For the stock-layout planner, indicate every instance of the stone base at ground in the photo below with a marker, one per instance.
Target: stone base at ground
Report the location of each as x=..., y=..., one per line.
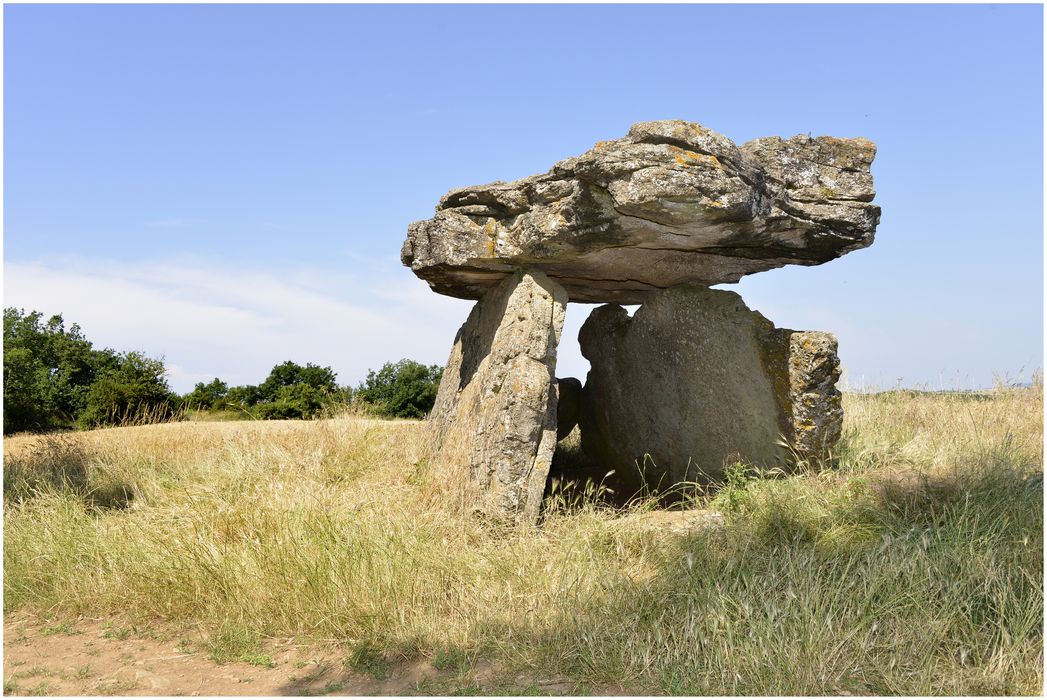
x=494, y=422
x=696, y=381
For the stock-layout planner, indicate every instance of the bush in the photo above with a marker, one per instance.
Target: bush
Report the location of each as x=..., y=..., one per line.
x=48, y=371
x=132, y=391
x=294, y=401
x=207, y=396
x=290, y=391
x=404, y=389
x=243, y=396
x=291, y=374
x=53, y=378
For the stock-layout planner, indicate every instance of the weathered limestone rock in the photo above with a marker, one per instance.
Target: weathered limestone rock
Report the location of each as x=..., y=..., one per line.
x=495, y=412
x=816, y=403
x=694, y=381
x=671, y=203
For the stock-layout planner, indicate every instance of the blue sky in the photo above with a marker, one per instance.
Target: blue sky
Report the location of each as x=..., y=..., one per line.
x=229, y=186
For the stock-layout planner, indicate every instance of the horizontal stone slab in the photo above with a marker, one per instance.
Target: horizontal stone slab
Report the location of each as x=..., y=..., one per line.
x=671, y=203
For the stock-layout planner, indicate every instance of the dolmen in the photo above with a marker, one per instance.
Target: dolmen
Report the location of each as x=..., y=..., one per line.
x=694, y=380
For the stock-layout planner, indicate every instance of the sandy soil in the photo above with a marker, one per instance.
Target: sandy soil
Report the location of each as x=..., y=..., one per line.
x=96, y=657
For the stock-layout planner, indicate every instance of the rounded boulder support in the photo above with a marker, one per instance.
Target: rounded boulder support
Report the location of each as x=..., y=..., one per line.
x=695, y=381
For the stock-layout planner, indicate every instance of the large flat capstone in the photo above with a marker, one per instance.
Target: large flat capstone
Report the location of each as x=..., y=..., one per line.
x=671, y=203
x=695, y=381
x=494, y=422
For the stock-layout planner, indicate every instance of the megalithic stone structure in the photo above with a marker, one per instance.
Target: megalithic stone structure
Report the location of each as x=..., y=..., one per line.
x=653, y=218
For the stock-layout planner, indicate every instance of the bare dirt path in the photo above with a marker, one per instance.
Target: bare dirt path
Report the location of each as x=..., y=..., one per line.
x=96, y=657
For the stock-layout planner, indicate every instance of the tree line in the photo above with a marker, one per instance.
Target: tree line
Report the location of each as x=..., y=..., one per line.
x=54, y=378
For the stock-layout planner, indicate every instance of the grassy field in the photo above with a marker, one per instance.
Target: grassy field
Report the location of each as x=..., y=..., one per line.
x=915, y=567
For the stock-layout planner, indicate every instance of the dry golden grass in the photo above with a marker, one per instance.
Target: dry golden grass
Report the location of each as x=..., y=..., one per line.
x=915, y=567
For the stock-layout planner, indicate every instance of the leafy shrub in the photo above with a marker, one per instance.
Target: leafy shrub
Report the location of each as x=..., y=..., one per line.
x=207, y=396
x=290, y=391
x=290, y=374
x=134, y=390
x=294, y=401
x=404, y=389
x=48, y=371
x=241, y=396
x=53, y=378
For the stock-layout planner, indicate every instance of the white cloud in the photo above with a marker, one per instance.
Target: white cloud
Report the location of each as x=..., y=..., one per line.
x=222, y=319
x=212, y=319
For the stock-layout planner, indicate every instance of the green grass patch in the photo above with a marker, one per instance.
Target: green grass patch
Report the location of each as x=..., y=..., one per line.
x=369, y=659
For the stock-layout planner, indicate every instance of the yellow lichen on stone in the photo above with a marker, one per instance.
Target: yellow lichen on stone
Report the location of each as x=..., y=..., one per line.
x=491, y=231
x=685, y=157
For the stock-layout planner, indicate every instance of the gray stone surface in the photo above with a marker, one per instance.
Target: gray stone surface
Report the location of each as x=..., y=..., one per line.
x=568, y=405
x=493, y=425
x=670, y=203
x=816, y=403
x=695, y=381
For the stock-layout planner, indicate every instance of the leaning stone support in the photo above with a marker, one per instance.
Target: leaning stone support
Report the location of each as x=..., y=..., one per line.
x=494, y=422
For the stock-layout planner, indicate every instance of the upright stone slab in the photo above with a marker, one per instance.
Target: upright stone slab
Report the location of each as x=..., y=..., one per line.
x=494, y=421
x=816, y=403
x=694, y=381
x=568, y=405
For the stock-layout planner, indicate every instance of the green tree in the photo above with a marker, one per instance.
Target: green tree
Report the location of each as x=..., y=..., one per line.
x=133, y=389
x=243, y=396
x=48, y=371
x=207, y=396
x=404, y=389
x=289, y=374
x=290, y=391
x=300, y=400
